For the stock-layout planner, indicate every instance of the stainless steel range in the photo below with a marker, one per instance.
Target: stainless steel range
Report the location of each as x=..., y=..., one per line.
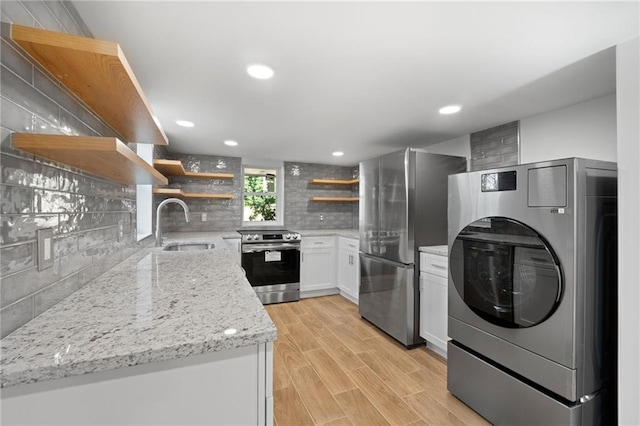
x=271, y=259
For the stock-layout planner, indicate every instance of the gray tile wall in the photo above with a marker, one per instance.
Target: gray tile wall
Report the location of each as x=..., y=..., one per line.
x=83, y=210
x=302, y=213
x=221, y=215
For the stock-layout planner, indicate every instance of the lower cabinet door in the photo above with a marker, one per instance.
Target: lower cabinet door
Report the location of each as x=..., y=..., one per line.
x=316, y=269
x=433, y=310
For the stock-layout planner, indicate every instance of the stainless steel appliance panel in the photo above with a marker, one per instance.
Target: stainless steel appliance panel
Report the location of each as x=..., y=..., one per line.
x=502, y=398
x=387, y=295
x=396, y=242
x=278, y=293
x=369, y=223
x=555, y=338
x=428, y=203
x=569, y=354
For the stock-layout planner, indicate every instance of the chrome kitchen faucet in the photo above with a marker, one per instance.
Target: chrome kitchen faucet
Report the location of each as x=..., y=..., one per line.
x=162, y=204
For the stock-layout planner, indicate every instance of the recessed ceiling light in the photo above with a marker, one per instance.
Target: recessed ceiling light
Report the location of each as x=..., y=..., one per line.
x=184, y=123
x=231, y=143
x=261, y=72
x=337, y=153
x=450, y=109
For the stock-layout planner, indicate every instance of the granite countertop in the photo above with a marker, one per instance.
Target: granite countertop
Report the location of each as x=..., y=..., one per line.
x=439, y=250
x=154, y=306
x=347, y=233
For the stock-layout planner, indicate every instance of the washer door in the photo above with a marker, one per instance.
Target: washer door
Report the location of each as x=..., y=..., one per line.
x=505, y=272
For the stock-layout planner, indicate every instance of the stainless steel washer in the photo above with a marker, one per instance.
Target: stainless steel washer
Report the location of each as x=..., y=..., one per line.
x=532, y=292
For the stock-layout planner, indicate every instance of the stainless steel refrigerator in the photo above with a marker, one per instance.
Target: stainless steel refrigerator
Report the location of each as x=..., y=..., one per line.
x=403, y=206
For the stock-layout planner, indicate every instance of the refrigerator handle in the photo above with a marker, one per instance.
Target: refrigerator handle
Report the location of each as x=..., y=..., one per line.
x=387, y=261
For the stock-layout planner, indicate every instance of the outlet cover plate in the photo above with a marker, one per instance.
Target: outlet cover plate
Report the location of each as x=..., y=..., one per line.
x=45, y=248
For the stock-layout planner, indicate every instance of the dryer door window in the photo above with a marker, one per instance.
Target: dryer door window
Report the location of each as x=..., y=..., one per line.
x=505, y=272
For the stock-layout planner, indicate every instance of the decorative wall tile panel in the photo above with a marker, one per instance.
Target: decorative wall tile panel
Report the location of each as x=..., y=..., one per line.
x=43, y=15
x=16, y=199
x=21, y=93
x=24, y=283
x=17, y=258
x=17, y=314
x=49, y=296
x=16, y=62
x=17, y=228
x=16, y=12
x=36, y=193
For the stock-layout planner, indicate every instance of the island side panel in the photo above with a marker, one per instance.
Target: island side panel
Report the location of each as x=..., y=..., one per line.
x=213, y=388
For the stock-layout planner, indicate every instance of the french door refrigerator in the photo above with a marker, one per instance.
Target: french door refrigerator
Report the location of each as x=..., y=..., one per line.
x=403, y=206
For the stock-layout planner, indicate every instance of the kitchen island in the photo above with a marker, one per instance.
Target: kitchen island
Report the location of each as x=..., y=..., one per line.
x=162, y=338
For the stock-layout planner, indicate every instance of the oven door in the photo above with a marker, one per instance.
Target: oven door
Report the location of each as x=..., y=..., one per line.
x=506, y=273
x=271, y=264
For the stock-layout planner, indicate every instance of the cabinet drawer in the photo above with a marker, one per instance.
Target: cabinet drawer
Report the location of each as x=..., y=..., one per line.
x=348, y=244
x=317, y=242
x=434, y=264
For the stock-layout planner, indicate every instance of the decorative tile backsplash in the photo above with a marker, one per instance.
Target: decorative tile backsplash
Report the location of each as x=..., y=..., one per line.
x=221, y=215
x=302, y=213
x=83, y=210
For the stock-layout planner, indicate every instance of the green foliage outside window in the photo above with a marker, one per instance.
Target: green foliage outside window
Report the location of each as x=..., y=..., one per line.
x=258, y=197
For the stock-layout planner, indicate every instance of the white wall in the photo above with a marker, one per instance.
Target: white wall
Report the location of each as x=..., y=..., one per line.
x=458, y=146
x=144, y=196
x=628, y=89
x=587, y=130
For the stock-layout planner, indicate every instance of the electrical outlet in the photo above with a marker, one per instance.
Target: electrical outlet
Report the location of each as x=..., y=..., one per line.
x=44, y=239
x=203, y=218
x=120, y=230
x=321, y=218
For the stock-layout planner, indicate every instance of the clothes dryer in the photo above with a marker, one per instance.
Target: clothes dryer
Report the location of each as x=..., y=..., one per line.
x=532, y=292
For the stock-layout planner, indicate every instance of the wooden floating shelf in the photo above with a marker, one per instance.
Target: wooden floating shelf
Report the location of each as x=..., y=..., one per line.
x=174, y=192
x=335, y=181
x=175, y=168
x=98, y=73
x=107, y=157
x=334, y=198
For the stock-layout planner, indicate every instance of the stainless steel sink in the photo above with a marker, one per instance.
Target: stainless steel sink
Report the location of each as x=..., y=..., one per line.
x=189, y=246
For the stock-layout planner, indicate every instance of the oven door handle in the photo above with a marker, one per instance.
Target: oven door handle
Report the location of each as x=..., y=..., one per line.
x=257, y=248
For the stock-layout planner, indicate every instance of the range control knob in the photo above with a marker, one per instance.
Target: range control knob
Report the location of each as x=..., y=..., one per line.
x=287, y=237
x=256, y=237
x=296, y=236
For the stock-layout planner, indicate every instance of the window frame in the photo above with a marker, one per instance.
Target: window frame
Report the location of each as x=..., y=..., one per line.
x=279, y=194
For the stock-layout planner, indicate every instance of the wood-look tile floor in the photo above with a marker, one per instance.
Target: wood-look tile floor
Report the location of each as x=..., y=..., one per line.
x=331, y=367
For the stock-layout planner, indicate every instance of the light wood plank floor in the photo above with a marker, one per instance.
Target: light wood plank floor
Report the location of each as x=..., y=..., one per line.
x=331, y=367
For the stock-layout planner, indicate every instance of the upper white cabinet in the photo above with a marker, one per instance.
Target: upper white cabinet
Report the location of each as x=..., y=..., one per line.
x=433, y=301
x=348, y=275
x=317, y=265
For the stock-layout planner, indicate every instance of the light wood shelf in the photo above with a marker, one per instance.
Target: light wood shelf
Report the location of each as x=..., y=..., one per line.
x=174, y=192
x=335, y=181
x=98, y=73
x=334, y=198
x=107, y=157
x=175, y=168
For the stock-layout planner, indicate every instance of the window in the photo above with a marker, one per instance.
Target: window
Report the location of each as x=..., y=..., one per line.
x=262, y=195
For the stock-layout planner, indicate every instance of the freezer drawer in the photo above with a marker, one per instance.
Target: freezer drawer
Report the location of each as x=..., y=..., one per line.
x=388, y=298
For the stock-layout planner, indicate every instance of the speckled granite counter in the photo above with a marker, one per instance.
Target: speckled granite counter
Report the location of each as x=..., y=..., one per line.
x=154, y=306
x=439, y=250
x=348, y=233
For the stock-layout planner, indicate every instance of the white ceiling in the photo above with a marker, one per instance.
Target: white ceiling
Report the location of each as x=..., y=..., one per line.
x=365, y=78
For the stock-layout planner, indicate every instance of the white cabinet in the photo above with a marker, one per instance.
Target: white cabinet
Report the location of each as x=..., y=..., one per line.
x=317, y=266
x=348, y=268
x=433, y=301
x=233, y=245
